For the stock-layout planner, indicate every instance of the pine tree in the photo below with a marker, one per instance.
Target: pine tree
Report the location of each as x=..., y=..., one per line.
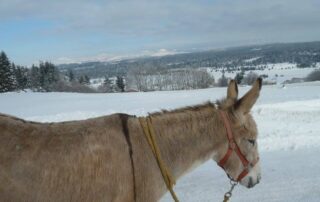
x=21, y=77
x=239, y=77
x=71, y=75
x=14, y=78
x=48, y=76
x=6, y=74
x=120, y=83
x=34, y=78
x=81, y=80
x=86, y=80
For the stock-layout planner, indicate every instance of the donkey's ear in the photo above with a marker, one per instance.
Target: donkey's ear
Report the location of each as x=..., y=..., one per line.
x=232, y=93
x=245, y=104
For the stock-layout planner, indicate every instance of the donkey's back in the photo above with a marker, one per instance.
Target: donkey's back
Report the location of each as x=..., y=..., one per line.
x=69, y=161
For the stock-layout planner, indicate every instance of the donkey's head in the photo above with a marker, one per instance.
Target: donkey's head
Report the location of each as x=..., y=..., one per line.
x=241, y=164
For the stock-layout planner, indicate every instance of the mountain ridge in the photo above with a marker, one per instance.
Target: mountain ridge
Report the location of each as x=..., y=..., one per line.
x=304, y=54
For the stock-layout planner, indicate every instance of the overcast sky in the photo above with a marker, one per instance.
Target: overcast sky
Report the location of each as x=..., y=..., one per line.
x=73, y=30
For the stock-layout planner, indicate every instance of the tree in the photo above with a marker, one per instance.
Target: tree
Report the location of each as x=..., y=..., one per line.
x=21, y=77
x=34, y=78
x=6, y=74
x=49, y=75
x=14, y=84
x=223, y=81
x=86, y=80
x=71, y=75
x=313, y=76
x=106, y=86
x=250, y=78
x=202, y=79
x=120, y=83
x=239, y=77
x=81, y=80
x=136, y=78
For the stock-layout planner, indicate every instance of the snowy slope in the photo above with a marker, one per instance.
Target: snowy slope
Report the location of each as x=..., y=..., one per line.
x=289, y=139
x=277, y=72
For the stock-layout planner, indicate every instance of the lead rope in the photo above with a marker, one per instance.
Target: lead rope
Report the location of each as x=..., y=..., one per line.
x=150, y=135
x=228, y=194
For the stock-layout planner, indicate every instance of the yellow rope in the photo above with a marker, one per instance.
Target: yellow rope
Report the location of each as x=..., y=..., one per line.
x=150, y=135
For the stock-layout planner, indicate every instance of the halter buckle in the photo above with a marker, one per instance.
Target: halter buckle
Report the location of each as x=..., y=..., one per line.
x=228, y=194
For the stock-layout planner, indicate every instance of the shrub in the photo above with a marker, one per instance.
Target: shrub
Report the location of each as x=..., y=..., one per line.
x=250, y=78
x=313, y=76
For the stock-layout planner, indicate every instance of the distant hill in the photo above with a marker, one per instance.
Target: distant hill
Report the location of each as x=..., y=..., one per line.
x=305, y=54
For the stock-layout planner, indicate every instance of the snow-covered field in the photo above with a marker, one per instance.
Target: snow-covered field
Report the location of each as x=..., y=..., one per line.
x=289, y=135
x=277, y=72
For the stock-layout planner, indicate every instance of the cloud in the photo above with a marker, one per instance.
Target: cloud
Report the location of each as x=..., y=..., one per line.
x=182, y=24
x=159, y=18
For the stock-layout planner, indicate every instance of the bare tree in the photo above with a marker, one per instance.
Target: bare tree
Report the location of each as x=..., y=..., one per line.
x=223, y=81
x=250, y=78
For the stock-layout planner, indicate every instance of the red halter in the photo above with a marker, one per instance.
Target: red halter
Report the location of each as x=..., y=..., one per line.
x=234, y=147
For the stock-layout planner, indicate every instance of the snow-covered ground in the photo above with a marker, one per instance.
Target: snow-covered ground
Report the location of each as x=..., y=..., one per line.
x=289, y=135
x=277, y=72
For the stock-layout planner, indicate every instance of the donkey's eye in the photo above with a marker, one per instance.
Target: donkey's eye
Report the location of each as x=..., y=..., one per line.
x=252, y=141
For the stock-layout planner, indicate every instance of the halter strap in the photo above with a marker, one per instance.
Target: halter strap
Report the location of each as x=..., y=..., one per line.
x=233, y=147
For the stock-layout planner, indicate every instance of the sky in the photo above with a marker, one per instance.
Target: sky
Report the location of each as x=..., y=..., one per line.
x=64, y=31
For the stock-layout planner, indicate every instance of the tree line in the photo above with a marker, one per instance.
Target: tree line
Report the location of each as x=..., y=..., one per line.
x=144, y=79
x=44, y=77
x=249, y=58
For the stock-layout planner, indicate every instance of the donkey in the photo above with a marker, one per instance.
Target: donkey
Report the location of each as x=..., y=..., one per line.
x=109, y=159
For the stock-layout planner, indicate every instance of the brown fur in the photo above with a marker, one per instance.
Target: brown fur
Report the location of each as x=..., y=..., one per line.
x=108, y=158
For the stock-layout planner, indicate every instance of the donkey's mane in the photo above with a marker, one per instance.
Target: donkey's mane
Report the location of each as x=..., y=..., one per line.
x=193, y=108
x=223, y=103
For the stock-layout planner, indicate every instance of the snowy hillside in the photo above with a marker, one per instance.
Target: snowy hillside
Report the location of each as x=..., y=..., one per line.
x=277, y=72
x=289, y=135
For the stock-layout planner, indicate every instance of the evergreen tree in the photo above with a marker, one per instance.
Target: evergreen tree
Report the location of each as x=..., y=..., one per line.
x=81, y=80
x=6, y=74
x=120, y=83
x=86, y=79
x=71, y=75
x=14, y=78
x=21, y=77
x=239, y=77
x=34, y=78
x=48, y=76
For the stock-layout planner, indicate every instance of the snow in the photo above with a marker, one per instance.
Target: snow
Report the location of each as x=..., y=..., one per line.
x=252, y=59
x=96, y=82
x=277, y=72
x=289, y=135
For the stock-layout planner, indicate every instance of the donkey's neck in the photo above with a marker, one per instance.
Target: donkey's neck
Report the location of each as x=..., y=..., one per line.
x=188, y=137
